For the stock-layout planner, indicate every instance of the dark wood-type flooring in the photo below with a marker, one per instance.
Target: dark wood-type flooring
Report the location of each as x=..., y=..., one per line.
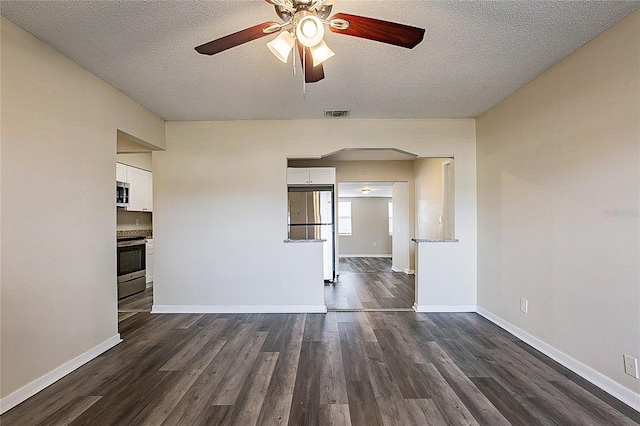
x=340, y=368
x=368, y=283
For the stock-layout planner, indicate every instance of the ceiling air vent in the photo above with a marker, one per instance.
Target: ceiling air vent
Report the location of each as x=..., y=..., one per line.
x=337, y=113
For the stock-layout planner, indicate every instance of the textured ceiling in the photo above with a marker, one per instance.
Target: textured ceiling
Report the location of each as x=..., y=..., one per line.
x=475, y=53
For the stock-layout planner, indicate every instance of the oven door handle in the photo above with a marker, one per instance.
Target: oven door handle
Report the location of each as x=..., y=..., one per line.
x=132, y=243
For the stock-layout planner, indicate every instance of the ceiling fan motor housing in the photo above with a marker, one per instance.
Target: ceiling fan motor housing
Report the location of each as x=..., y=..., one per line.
x=323, y=11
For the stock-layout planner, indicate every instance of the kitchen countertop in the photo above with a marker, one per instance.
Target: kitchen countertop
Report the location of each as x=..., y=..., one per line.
x=441, y=240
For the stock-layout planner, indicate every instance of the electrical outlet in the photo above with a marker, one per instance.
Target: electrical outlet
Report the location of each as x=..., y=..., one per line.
x=524, y=305
x=630, y=366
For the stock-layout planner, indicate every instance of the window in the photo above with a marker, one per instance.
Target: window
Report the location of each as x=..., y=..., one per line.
x=390, y=207
x=344, y=217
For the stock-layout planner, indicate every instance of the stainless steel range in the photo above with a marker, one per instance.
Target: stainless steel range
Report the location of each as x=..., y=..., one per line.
x=131, y=266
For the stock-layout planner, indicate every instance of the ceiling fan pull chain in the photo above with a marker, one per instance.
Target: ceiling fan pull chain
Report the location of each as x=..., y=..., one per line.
x=304, y=77
x=293, y=58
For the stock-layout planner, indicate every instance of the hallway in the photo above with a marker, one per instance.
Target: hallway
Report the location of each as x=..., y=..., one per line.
x=367, y=283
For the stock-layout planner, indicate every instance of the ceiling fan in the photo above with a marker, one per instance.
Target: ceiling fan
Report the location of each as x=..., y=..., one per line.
x=303, y=26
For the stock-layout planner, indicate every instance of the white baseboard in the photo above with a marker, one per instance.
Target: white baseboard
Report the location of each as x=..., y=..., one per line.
x=365, y=255
x=608, y=385
x=444, y=308
x=249, y=309
x=26, y=392
x=405, y=270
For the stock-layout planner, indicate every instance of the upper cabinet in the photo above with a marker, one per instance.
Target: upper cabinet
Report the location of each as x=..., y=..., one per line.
x=121, y=172
x=311, y=176
x=140, y=187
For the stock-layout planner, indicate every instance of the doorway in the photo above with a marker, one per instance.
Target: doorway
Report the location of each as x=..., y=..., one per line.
x=367, y=222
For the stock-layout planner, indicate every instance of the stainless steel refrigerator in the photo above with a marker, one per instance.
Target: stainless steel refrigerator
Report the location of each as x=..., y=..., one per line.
x=312, y=217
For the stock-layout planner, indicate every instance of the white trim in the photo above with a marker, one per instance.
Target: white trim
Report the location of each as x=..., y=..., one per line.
x=26, y=392
x=605, y=383
x=444, y=308
x=364, y=255
x=248, y=309
x=405, y=270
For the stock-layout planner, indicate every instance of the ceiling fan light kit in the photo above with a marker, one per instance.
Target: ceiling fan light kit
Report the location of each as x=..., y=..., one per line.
x=304, y=21
x=321, y=53
x=282, y=46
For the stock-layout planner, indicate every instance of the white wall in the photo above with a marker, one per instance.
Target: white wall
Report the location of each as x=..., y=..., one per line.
x=211, y=248
x=59, y=127
x=555, y=159
x=369, y=226
x=429, y=198
x=401, y=227
x=140, y=160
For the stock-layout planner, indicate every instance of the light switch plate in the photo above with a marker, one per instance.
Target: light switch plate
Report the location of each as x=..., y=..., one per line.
x=630, y=366
x=524, y=305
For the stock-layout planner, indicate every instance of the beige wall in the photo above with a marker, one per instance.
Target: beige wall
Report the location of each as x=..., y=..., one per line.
x=59, y=126
x=214, y=173
x=127, y=220
x=369, y=226
x=363, y=171
x=555, y=159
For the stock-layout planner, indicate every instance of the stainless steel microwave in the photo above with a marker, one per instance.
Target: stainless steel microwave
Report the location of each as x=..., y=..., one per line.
x=122, y=194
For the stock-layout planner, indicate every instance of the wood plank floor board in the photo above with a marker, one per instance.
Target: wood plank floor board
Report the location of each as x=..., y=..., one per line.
x=403, y=370
x=478, y=405
x=163, y=407
x=335, y=415
x=342, y=368
x=452, y=409
x=388, y=396
x=193, y=347
x=278, y=399
x=423, y=412
x=510, y=408
x=333, y=389
x=305, y=407
x=119, y=408
x=247, y=408
x=70, y=411
x=363, y=408
x=353, y=352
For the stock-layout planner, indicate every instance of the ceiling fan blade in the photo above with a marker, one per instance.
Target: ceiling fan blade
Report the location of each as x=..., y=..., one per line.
x=311, y=74
x=236, y=39
x=377, y=30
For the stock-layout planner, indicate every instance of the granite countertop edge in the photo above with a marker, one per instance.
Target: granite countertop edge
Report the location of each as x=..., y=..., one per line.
x=133, y=233
x=441, y=240
x=304, y=241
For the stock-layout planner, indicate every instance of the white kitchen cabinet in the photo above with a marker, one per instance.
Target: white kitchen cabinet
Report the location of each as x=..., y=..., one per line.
x=311, y=176
x=121, y=172
x=140, y=189
x=149, y=261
